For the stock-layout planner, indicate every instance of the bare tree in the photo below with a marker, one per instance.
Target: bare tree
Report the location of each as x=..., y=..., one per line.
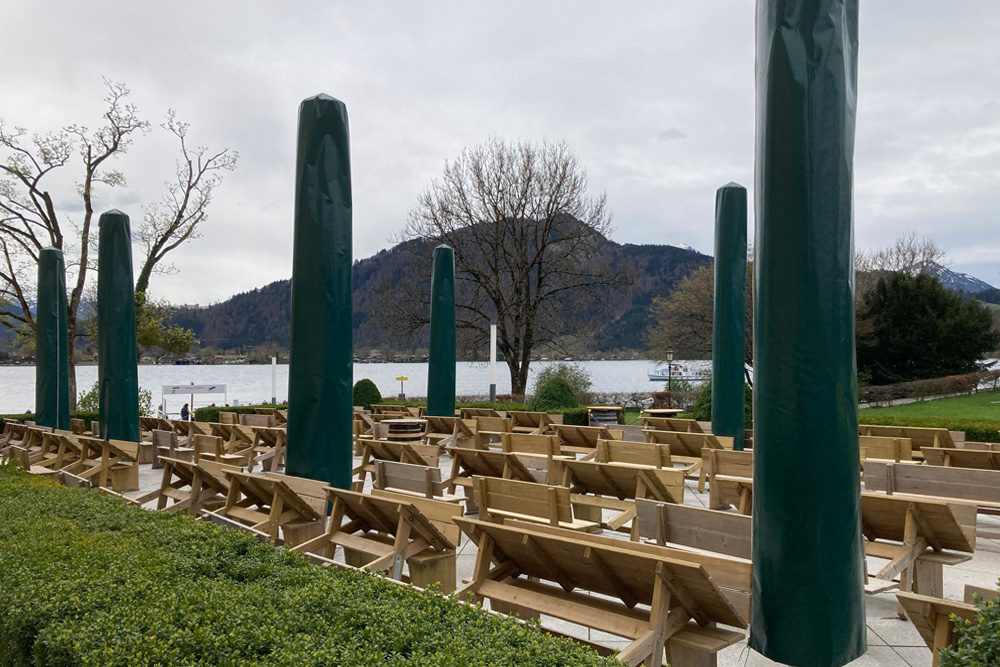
x=175, y=218
x=33, y=214
x=907, y=254
x=529, y=245
x=683, y=320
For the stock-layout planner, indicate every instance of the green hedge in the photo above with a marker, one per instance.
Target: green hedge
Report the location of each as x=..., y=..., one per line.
x=86, y=415
x=976, y=430
x=91, y=581
x=211, y=413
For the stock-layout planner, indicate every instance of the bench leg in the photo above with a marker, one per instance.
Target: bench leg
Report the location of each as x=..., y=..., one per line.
x=433, y=567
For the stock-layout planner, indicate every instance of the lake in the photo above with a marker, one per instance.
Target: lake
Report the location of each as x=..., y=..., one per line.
x=252, y=384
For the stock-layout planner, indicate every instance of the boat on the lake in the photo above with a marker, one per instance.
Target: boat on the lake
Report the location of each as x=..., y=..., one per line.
x=676, y=371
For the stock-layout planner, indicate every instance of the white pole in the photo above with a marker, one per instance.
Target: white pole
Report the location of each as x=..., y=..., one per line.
x=274, y=380
x=493, y=362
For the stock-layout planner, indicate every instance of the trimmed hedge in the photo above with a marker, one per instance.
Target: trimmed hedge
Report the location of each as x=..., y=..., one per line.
x=976, y=430
x=86, y=415
x=211, y=413
x=943, y=386
x=366, y=393
x=91, y=581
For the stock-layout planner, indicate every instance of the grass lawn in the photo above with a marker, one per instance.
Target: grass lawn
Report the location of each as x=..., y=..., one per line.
x=985, y=405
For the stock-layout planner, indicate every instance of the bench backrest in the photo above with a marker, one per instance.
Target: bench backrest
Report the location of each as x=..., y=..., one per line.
x=951, y=525
x=526, y=443
x=624, y=481
x=937, y=481
x=423, y=480
x=672, y=424
x=635, y=453
x=962, y=458
x=584, y=436
x=229, y=418
x=472, y=413
x=727, y=462
x=921, y=436
x=311, y=491
x=530, y=419
x=688, y=444
x=672, y=524
x=438, y=512
x=541, y=501
x=885, y=447
x=212, y=445
x=257, y=420
x=494, y=424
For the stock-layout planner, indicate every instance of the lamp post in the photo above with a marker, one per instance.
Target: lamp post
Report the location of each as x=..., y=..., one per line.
x=670, y=378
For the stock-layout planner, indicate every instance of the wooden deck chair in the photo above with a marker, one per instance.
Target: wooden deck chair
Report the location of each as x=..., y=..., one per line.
x=385, y=531
x=595, y=487
x=672, y=424
x=499, y=499
x=685, y=527
x=412, y=480
x=536, y=423
x=730, y=479
x=653, y=596
x=886, y=448
x=269, y=504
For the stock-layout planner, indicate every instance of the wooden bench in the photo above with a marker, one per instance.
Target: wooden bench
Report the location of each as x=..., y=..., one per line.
x=382, y=531
x=658, y=596
x=488, y=428
x=190, y=487
x=962, y=458
x=165, y=444
x=449, y=432
x=884, y=447
x=672, y=424
x=684, y=527
x=595, y=487
x=526, y=443
x=229, y=418
x=537, y=423
x=117, y=465
x=412, y=480
x=730, y=479
x=394, y=410
x=917, y=535
x=473, y=413
x=920, y=437
x=387, y=450
x=648, y=454
x=583, y=439
x=686, y=448
x=267, y=421
x=979, y=486
x=269, y=504
x=270, y=446
x=499, y=499
x=932, y=617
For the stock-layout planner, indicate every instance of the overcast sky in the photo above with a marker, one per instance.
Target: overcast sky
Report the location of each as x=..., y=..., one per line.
x=656, y=98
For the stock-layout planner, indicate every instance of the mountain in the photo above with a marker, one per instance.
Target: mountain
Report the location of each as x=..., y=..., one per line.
x=959, y=282
x=617, y=322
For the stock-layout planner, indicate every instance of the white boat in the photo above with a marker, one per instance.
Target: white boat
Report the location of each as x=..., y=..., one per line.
x=676, y=371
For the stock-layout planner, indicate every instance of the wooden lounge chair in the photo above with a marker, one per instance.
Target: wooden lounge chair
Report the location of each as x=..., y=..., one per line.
x=595, y=487
x=499, y=499
x=412, y=480
x=650, y=595
x=381, y=532
x=270, y=505
x=684, y=527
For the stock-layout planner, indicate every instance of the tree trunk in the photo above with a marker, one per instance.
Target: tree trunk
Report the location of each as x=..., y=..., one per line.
x=72, y=370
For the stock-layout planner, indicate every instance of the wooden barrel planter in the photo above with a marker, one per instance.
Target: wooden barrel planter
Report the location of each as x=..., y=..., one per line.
x=406, y=430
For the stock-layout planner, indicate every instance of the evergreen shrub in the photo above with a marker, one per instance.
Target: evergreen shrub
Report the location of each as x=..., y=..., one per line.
x=979, y=639
x=702, y=410
x=93, y=582
x=556, y=393
x=366, y=393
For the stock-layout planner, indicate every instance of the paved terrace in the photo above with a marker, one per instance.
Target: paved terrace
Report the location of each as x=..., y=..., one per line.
x=892, y=642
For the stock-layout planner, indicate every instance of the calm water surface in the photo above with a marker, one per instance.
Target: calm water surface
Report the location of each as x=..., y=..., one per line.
x=248, y=384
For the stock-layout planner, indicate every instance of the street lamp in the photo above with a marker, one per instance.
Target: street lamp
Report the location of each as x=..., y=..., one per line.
x=670, y=377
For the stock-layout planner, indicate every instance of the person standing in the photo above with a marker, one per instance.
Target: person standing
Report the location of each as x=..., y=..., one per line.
x=185, y=413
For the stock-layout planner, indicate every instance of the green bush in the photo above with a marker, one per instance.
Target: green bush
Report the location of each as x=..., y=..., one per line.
x=556, y=393
x=702, y=410
x=976, y=430
x=573, y=416
x=86, y=415
x=978, y=644
x=366, y=393
x=90, y=400
x=210, y=413
x=91, y=581
x=575, y=375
